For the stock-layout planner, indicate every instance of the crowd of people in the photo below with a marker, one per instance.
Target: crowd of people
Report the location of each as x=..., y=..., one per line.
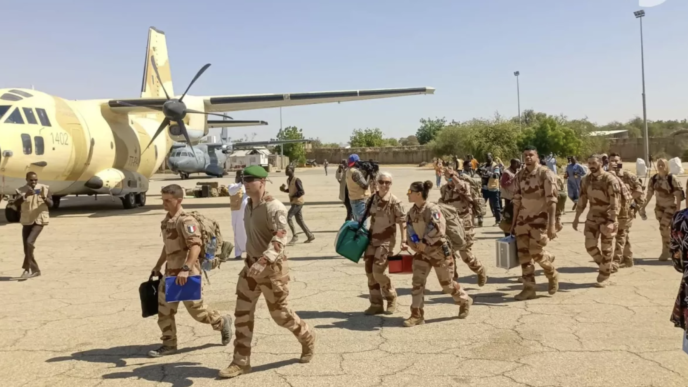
x=437, y=234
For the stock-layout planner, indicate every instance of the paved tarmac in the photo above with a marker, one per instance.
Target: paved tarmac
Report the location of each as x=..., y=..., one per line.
x=80, y=323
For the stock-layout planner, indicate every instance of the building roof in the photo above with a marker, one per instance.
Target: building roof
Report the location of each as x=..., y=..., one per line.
x=607, y=132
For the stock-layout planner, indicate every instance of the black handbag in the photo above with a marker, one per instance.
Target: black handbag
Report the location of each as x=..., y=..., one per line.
x=148, y=292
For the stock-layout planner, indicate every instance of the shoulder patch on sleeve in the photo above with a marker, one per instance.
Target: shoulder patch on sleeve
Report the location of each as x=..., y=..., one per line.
x=436, y=215
x=191, y=228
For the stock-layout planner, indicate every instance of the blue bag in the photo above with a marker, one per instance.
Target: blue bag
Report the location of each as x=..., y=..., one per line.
x=191, y=291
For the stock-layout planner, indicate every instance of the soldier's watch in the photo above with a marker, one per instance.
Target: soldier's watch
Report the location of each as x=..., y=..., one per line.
x=185, y=268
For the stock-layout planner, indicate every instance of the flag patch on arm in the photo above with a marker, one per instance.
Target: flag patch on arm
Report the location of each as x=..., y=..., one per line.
x=436, y=215
x=191, y=229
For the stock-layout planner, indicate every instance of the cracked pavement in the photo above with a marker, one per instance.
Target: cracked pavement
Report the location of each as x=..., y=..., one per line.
x=80, y=323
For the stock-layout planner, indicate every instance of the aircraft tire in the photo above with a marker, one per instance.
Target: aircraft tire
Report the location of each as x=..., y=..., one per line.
x=12, y=215
x=141, y=199
x=56, y=202
x=129, y=201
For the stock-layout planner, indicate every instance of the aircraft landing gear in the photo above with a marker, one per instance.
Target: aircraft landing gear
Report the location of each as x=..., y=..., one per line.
x=129, y=201
x=183, y=175
x=141, y=199
x=56, y=202
x=12, y=214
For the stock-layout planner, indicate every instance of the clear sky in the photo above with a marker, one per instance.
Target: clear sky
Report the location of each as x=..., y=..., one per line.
x=580, y=58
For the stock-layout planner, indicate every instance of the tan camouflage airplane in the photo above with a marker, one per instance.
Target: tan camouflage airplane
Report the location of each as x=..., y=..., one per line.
x=112, y=146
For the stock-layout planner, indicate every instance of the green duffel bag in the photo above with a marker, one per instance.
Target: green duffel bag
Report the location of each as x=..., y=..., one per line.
x=352, y=240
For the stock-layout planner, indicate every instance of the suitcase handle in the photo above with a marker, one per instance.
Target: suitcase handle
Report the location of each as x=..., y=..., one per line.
x=154, y=274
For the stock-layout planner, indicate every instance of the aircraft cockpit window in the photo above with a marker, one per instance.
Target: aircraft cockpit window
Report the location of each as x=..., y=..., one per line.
x=26, y=143
x=10, y=97
x=43, y=117
x=40, y=145
x=30, y=116
x=15, y=117
x=3, y=110
x=22, y=93
x=186, y=154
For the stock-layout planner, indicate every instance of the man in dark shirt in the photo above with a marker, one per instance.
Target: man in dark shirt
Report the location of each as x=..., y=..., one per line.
x=490, y=173
x=294, y=188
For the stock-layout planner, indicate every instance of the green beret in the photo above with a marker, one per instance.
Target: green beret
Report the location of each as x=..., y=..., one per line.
x=255, y=171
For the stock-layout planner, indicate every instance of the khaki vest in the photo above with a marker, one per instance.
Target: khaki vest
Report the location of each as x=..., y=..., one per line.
x=292, y=192
x=235, y=200
x=355, y=190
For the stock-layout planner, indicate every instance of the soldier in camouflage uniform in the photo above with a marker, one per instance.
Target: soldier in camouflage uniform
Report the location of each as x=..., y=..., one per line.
x=669, y=197
x=469, y=176
x=603, y=191
x=458, y=194
x=535, y=201
x=561, y=202
x=426, y=228
x=265, y=272
x=386, y=212
x=182, y=245
x=623, y=254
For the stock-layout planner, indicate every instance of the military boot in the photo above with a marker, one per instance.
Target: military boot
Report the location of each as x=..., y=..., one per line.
x=226, y=331
x=602, y=281
x=482, y=277
x=553, y=283
x=465, y=308
x=665, y=254
x=163, y=351
x=413, y=321
x=308, y=350
x=233, y=371
x=391, y=306
x=374, y=309
x=615, y=267
x=526, y=294
x=627, y=262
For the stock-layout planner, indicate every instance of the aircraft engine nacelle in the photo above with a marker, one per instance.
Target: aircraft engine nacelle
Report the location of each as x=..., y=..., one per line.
x=117, y=182
x=195, y=123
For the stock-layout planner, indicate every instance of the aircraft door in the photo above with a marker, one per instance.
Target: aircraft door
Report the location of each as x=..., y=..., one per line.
x=212, y=155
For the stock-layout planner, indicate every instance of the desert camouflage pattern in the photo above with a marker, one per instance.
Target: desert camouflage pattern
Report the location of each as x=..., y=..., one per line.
x=561, y=201
x=385, y=214
x=430, y=226
x=535, y=192
x=180, y=232
x=603, y=192
x=457, y=193
x=665, y=205
x=266, y=229
x=630, y=185
x=479, y=208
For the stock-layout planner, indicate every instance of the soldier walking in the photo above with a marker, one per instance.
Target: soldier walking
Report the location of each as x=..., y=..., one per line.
x=535, y=202
x=182, y=245
x=265, y=272
x=427, y=232
x=294, y=188
x=33, y=202
x=457, y=193
x=623, y=254
x=386, y=212
x=669, y=197
x=237, y=203
x=603, y=191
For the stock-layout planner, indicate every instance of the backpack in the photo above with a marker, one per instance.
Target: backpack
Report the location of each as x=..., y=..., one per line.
x=671, y=185
x=626, y=196
x=476, y=192
x=455, y=231
x=210, y=229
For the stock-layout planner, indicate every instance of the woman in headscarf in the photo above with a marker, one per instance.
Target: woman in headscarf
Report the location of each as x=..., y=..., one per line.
x=574, y=175
x=669, y=196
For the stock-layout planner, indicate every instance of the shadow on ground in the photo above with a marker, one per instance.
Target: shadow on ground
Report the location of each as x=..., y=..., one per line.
x=652, y=262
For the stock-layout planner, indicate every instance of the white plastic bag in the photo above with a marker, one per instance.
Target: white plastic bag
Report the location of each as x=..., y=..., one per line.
x=640, y=168
x=675, y=167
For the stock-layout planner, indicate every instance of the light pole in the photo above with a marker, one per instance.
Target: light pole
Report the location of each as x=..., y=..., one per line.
x=639, y=15
x=518, y=96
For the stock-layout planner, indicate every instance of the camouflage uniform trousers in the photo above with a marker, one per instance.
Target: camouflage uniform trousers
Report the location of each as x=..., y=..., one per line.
x=379, y=284
x=561, y=208
x=444, y=269
x=273, y=284
x=197, y=309
x=622, y=248
x=664, y=216
x=603, y=254
x=531, y=241
x=466, y=251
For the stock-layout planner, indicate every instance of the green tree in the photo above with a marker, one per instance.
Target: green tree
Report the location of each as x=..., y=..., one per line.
x=295, y=152
x=366, y=138
x=548, y=136
x=478, y=137
x=409, y=141
x=429, y=129
x=391, y=142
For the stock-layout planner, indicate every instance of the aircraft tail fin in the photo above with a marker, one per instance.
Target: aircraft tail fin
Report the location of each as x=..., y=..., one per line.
x=157, y=48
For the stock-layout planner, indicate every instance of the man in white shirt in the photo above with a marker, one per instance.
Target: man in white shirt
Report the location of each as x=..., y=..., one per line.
x=237, y=203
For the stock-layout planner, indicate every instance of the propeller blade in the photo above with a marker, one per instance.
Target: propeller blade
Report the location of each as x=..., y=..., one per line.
x=182, y=126
x=144, y=106
x=198, y=74
x=207, y=114
x=155, y=68
x=164, y=124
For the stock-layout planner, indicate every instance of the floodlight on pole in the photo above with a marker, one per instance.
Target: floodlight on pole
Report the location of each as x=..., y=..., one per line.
x=639, y=15
x=518, y=97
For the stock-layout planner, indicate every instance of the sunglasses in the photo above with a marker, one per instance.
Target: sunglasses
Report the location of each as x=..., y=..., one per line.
x=250, y=179
x=411, y=191
x=382, y=182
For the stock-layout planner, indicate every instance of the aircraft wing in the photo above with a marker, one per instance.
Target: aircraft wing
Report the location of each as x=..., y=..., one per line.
x=262, y=101
x=234, y=123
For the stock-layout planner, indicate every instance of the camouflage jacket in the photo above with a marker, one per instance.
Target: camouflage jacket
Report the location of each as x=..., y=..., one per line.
x=534, y=193
x=266, y=229
x=385, y=213
x=603, y=191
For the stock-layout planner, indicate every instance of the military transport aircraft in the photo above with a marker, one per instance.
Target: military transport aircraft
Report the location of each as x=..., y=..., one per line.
x=112, y=146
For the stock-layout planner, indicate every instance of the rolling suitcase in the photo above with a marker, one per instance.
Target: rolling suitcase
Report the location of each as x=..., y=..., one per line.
x=507, y=254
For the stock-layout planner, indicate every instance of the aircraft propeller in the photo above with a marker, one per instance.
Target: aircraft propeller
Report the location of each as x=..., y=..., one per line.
x=175, y=109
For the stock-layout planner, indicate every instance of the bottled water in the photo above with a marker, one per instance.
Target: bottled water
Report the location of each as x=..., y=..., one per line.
x=210, y=250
